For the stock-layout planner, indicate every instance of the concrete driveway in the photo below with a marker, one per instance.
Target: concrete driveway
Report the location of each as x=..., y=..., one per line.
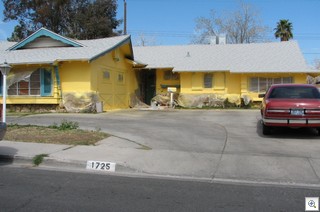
x=212, y=144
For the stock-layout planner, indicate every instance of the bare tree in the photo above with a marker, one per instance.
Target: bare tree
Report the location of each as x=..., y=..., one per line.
x=240, y=26
x=317, y=64
x=206, y=28
x=143, y=40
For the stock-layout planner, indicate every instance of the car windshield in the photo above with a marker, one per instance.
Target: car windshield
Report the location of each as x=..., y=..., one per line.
x=294, y=92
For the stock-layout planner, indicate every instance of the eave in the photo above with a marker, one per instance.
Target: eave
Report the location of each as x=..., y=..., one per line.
x=127, y=40
x=44, y=32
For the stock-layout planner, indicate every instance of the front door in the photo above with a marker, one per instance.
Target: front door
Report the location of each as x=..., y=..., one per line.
x=148, y=85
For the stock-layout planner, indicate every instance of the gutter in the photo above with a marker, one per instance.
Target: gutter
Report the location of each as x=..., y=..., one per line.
x=135, y=64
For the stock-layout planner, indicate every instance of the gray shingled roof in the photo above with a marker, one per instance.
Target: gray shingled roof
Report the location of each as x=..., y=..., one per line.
x=91, y=50
x=236, y=58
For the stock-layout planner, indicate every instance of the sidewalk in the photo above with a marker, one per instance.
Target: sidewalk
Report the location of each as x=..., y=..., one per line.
x=129, y=157
x=134, y=159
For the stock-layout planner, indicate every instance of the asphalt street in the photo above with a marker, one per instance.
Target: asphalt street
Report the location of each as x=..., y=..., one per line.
x=23, y=189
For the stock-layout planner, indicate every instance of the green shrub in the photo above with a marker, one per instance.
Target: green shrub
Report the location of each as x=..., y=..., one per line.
x=38, y=159
x=65, y=125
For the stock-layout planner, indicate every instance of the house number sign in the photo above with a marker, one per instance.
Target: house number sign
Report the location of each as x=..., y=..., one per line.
x=101, y=166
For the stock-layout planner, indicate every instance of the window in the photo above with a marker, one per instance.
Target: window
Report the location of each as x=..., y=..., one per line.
x=295, y=93
x=169, y=75
x=207, y=80
x=106, y=75
x=38, y=83
x=277, y=80
x=261, y=84
x=287, y=80
x=120, y=77
x=254, y=84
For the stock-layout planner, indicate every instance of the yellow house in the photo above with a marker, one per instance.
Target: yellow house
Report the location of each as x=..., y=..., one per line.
x=50, y=71
x=209, y=74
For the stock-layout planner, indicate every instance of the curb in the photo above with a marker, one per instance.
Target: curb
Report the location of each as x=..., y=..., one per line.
x=9, y=159
x=124, y=171
x=81, y=165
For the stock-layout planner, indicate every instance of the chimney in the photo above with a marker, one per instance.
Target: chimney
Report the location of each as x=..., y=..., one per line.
x=213, y=40
x=219, y=39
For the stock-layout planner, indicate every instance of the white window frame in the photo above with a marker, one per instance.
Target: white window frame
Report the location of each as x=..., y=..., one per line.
x=263, y=83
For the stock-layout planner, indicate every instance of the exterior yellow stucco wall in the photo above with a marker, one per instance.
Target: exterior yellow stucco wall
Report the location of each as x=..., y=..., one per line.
x=75, y=76
x=162, y=84
x=229, y=84
x=192, y=83
x=109, y=79
x=113, y=79
x=233, y=83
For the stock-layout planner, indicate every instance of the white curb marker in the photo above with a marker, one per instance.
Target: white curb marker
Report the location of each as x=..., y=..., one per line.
x=101, y=166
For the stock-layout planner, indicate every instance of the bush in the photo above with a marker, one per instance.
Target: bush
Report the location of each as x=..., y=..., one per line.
x=228, y=104
x=66, y=125
x=38, y=159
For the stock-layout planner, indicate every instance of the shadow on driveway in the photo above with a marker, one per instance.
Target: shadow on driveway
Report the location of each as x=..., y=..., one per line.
x=289, y=133
x=7, y=155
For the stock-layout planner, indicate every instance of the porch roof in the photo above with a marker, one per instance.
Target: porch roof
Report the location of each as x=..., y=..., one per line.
x=283, y=57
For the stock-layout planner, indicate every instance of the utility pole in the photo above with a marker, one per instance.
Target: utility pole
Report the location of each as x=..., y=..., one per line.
x=125, y=18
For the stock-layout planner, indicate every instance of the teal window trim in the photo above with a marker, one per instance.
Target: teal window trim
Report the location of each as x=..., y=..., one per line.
x=46, y=82
x=1, y=84
x=56, y=71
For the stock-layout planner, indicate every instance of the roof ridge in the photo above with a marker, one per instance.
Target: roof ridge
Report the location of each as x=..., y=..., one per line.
x=215, y=45
x=122, y=37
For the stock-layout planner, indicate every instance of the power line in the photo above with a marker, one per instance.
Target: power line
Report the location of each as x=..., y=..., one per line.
x=186, y=34
x=161, y=33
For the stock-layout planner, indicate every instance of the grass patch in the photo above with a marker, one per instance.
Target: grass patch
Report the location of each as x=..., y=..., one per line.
x=38, y=159
x=67, y=134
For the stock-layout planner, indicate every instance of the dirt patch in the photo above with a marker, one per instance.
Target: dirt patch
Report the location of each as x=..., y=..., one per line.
x=39, y=134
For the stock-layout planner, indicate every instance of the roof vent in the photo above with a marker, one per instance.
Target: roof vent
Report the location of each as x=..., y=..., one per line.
x=188, y=54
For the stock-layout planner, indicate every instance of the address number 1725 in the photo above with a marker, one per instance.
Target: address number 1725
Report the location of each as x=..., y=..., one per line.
x=101, y=166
